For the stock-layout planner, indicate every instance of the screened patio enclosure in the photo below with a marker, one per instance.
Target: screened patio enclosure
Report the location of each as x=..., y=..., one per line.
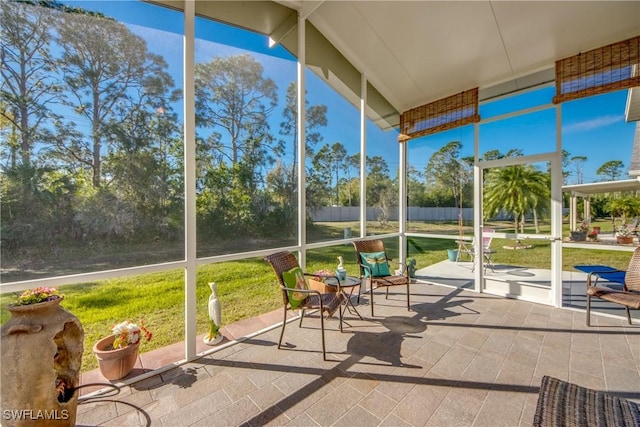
x=164, y=174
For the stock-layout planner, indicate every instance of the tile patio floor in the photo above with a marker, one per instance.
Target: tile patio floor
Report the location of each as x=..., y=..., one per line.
x=457, y=359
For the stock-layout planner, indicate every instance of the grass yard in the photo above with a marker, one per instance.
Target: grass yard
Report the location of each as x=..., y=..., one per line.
x=248, y=288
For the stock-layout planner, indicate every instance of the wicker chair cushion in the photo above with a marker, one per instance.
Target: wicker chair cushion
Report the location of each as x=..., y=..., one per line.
x=564, y=404
x=330, y=302
x=391, y=280
x=628, y=299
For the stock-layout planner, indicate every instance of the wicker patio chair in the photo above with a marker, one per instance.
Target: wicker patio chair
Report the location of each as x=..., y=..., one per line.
x=629, y=297
x=379, y=280
x=282, y=262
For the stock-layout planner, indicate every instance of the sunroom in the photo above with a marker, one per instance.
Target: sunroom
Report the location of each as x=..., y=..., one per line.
x=150, y=148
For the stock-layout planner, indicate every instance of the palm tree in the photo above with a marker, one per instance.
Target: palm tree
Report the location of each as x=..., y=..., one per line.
x=519, y=189
x=625, y=207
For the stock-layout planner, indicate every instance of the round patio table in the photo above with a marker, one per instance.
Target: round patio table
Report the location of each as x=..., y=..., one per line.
x=350, y=282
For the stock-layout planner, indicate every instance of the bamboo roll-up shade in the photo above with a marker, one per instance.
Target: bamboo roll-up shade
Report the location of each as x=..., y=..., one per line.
x=443, y=114
x=601, y=70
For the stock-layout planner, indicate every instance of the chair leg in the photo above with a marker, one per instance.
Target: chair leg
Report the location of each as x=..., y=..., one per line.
x=408, y=303
x=387, y=294
x=628, y=315
x=588, y=310
x=301, y=317
x=324, y=351
x=284, y=323
x=371, y=296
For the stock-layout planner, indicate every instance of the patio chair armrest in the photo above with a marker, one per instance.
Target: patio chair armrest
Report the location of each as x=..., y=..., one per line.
x=598, y=275
x=404, y=269
x=367, y=268
x=304, y=291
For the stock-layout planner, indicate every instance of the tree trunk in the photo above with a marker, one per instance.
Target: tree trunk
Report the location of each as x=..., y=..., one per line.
x=97, y=143
x=25, y=139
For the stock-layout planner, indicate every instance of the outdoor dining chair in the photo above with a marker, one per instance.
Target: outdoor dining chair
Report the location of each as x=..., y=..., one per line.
x=297, y=295
x=629, y=296
x=469, y=249
x=373, y=264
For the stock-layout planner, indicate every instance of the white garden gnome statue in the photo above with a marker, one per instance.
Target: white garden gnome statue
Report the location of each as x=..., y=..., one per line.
x=215, y=318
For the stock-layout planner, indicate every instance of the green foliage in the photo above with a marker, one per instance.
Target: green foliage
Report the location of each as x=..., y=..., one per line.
x=95, y=105
x=611, y=170
x=599, y=208
x=448, y=177
x=231, y=93
x=625, y=207
x=519, y=190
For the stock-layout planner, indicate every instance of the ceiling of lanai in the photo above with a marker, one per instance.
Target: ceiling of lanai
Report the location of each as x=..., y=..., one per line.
x=415, y=52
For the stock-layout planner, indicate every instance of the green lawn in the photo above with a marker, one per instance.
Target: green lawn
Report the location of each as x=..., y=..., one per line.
x=248, y=288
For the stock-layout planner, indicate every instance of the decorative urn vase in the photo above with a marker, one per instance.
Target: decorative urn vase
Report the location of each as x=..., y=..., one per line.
x=115, y=363
x=41, y=360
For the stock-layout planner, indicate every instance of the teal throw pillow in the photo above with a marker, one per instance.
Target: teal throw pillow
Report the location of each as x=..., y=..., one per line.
x=294, y=279
x=377, y=261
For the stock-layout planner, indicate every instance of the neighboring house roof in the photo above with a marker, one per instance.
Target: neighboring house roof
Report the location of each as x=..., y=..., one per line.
x=632, y=109
x=603, y=187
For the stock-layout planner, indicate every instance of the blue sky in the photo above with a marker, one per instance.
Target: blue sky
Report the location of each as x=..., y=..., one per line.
x=592, y=127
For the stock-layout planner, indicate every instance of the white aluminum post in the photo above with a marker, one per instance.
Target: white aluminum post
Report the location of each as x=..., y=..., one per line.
x=477, y=209
x=556, y=215
x=402, y=203
x=302, y=153
x=573, y=211
x=363, y=156
x=189, y=182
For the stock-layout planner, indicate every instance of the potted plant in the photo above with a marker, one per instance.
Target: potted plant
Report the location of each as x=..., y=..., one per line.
x=37, y=295
x=118, y=352
x=580, y=233
x=624, y=235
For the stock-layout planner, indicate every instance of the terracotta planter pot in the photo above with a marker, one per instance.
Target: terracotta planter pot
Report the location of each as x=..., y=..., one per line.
x=624, y=240
x=117, y=363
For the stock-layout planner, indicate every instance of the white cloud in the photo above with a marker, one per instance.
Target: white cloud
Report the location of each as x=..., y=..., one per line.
x=592, y=124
